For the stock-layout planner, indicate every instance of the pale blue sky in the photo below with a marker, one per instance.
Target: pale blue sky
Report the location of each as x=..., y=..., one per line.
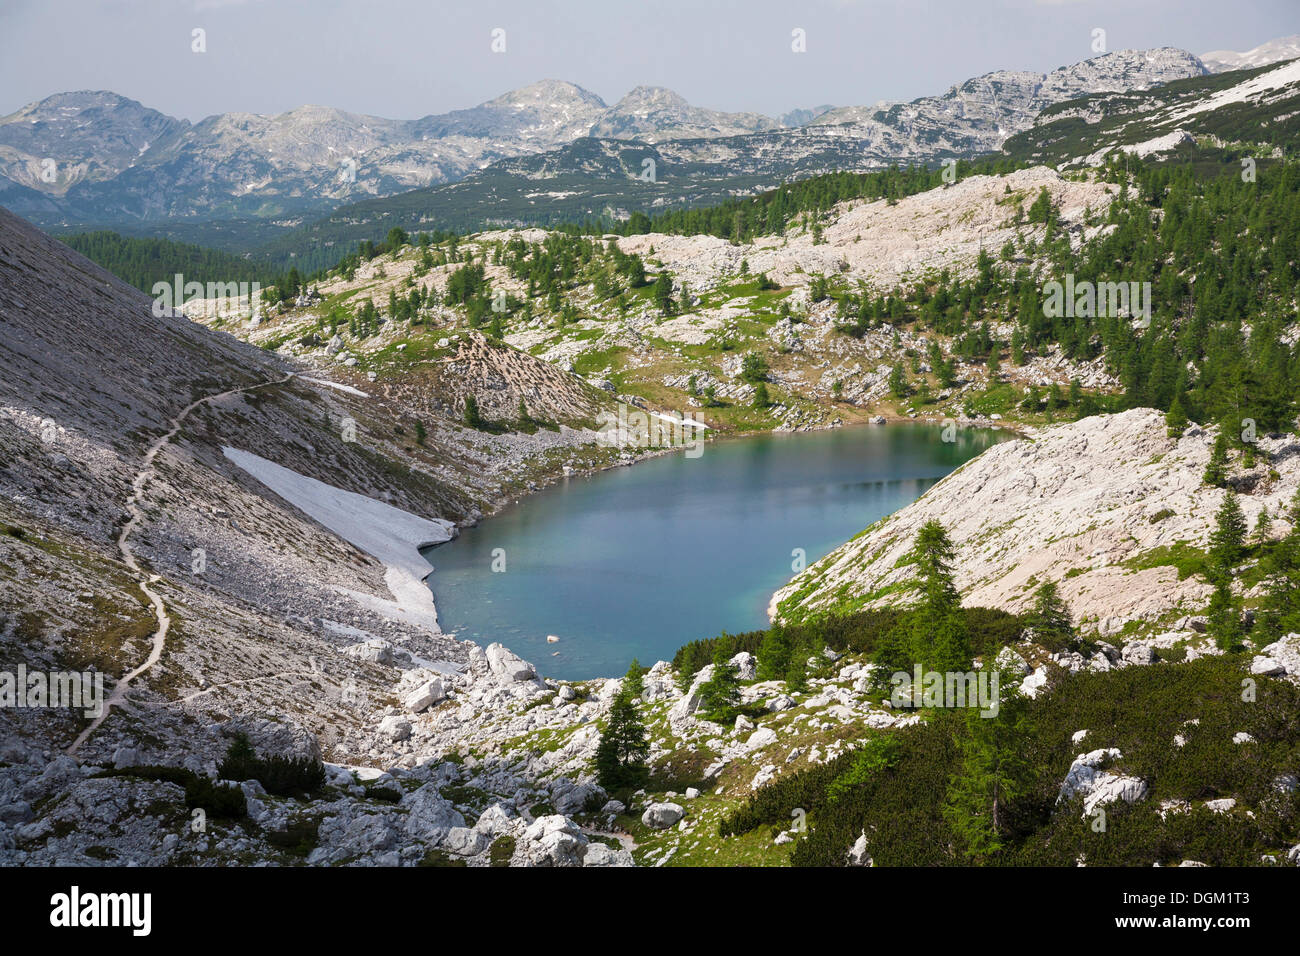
x=409, y=58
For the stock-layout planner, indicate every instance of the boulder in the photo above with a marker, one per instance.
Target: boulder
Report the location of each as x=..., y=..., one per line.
x=395, y=728
x=464, y=841
x=1009, y=660
x=763, y=737
x=858, y=855
x=494, y=821
x=429, y=816
x=746, y=666
x=425, y=696
x=689, y=702
x=660, y=816
x=1099, y=787
x=569, y=798
x=1138, y=654
x=507, y=666
x=598, y=854
x=553, y=840
x=375, y=650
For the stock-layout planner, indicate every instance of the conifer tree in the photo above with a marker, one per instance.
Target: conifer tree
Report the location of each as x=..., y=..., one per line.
x=773, y=654
x=939, y=635
x=1050, y=618
x=721, y=692
x=472, y=418
x=1216, y=470
x=992, y=773
x=623, y=748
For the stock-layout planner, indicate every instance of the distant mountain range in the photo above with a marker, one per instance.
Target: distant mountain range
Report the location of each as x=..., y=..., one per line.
x=1258, y=109
x=1274, y=51
x=548, y=152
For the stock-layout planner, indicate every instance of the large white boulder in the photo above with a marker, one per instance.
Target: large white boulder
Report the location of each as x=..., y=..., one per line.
x=395, y=728
x=689, y=702
x=1099, y=787
x=507, y=666
x=553, y=840
x=1281, y=658
x=661, y=816
x=430, y=817
x=598, y=854
x=425, y=696
x=746, y=666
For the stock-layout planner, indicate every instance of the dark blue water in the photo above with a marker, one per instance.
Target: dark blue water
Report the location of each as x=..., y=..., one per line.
x=635, y=562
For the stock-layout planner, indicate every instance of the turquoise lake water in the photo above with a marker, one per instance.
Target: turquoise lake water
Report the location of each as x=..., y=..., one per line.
x=636, y=561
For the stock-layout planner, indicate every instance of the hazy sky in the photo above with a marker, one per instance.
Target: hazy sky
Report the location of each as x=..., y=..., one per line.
x=409, y=58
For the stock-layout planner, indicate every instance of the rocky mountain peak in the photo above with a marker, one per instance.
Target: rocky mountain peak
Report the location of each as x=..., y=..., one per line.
x=1274, y=51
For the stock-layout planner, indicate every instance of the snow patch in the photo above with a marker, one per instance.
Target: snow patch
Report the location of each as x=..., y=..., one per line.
x=389, y=534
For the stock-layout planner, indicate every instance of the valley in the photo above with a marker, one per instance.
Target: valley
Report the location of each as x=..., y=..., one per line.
x=362, y=558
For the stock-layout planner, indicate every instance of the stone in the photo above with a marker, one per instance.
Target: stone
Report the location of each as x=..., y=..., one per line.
x=1138, y=654
x=858, y=855
x=1009, y=660
x=1098, y=787
x=507, y=666
x=763, y=737
x=425, y=696
x=746, y=665
x=395, y=728
x=429, y=816
x=661, y=816
x=552, y=840
x=598, y=854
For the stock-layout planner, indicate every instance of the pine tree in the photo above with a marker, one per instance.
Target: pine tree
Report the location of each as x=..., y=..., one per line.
x=773, y=654
x=634, y=680
x=623, y=748
x=939, y=635
x=898, y=381
x=1227, y=541
x=1050, y=618
x=1279, y=613
x=796, y=670
x=761, y=399
x=1176, y=419
x=663, y=292
x=1227, y=545
x=1216, y=470
x=472, y=418
x=992, y=774
x=892, y=656
x=721, y=693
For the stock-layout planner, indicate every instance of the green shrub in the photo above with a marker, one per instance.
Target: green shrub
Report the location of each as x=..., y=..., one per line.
x=501, y=850
x=283, y=776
